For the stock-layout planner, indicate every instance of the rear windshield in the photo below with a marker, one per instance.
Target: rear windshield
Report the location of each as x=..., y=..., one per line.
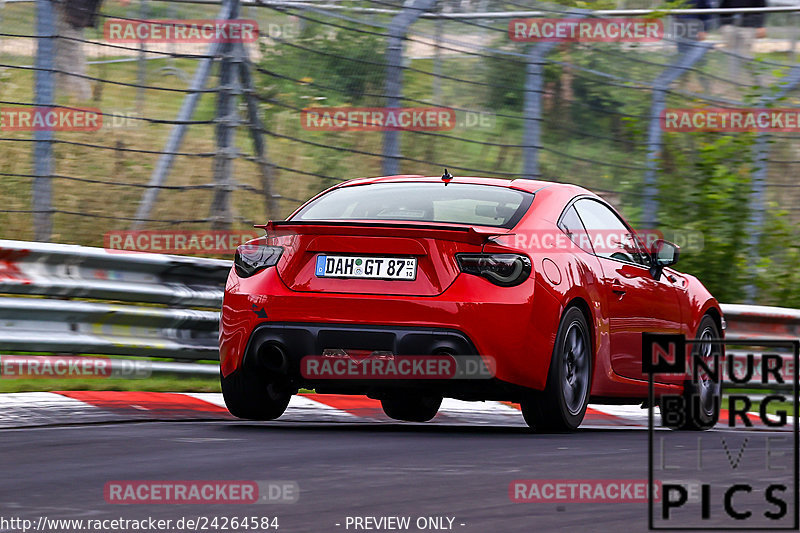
x=457, y=203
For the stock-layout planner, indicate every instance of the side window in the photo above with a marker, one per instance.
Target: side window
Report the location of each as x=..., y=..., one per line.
x=571, y=224
x=609, y=235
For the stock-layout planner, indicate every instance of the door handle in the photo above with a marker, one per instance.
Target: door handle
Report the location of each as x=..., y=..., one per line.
x=617, y=287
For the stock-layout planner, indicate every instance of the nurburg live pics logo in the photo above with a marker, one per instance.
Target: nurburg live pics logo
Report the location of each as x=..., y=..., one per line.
x=748, y=462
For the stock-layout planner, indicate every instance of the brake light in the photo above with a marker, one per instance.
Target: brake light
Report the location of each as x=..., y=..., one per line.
x=250, y=258
x=505, y=270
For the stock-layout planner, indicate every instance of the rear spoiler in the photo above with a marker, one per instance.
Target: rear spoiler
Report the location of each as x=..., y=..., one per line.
x=446, y=232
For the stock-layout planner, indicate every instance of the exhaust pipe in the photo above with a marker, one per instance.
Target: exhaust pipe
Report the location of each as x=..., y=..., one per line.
x=272, y=356
x=443, y=350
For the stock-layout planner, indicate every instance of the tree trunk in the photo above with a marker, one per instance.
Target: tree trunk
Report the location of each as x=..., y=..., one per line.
x=70, y=58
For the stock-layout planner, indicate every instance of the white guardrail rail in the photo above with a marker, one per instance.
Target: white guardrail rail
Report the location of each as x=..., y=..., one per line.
x=67, y=299
x=752, y=323
x=80, y=300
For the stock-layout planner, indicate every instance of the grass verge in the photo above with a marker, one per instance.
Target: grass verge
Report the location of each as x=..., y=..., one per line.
x=165, y=383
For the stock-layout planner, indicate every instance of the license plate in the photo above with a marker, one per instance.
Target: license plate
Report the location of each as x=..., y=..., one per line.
x=341, y=266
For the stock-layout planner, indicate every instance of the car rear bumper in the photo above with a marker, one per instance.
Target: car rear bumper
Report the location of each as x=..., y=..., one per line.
x=472, y=317
x=293, y=351
x=297, y=340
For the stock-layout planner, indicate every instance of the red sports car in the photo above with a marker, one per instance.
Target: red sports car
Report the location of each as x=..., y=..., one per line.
x=409, y=289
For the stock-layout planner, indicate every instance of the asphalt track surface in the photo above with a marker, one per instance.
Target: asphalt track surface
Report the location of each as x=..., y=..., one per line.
x=416, y=470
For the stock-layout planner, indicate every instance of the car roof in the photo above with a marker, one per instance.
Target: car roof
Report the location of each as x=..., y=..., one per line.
x=528, y=185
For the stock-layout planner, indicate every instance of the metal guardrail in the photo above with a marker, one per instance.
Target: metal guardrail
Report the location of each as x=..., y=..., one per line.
x=756, y=322
x=154, y=311
x=154, y=305
x=773, y=6
x=753, y=323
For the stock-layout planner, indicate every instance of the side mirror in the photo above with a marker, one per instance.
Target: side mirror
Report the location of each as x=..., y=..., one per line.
x=663, y=254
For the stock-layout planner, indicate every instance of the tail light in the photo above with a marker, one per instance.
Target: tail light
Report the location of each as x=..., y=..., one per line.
x=250, y=258
x=505, y=270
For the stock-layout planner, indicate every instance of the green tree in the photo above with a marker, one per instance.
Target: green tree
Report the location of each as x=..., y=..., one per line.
x=705, y=190
x=326, y=66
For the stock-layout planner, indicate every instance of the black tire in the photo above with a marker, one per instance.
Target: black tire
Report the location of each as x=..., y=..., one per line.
x=698, y=407
x=254, y=395
x=411, y=406
x=562, y=404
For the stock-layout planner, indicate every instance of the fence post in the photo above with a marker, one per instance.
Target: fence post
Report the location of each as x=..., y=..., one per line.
x=257, y=130
x=437, y=62
x=398, y=27
x=532, y=110
x=226, y=121
x=758, y=185
x=532, y=107
x=734, y=60
x=142, y=63
x=43, y=148
x=179, y=129
x=659, y=103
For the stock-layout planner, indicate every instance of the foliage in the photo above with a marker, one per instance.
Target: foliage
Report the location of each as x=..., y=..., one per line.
x=706, y=189
x=326, y=66
x=777, y=275
x=507, y=75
